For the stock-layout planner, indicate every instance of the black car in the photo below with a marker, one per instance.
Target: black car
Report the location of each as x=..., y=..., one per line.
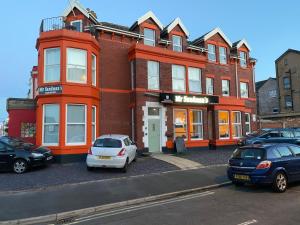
x=280, y=135
x=19, y=156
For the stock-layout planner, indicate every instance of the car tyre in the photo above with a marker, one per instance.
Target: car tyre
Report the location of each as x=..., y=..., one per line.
x=89, y=168
x=280, y=182
x=124, y=169
x=135, y=158
x=20, y=166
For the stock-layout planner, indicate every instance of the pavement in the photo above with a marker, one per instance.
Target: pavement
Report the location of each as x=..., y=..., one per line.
x=228, y=205
x=69, y=197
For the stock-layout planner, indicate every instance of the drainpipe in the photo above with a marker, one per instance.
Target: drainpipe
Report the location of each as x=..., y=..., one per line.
x=236, y=78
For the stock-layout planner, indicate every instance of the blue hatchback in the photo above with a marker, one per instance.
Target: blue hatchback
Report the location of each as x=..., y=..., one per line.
x=274, y=164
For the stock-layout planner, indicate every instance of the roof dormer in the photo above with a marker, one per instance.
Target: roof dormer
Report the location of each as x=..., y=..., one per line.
x=173, y=25
x=241, y=44
x=148, y=18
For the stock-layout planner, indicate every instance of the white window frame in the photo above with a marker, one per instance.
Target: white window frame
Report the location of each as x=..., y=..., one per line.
x=94, y=70
x=221, y=56
x=242, y=93
x=197, y=124
x=43, y=127
x=45, y=60
x=228, y=124
x=75, y=21
x=153, y=75
x=148, y=39
x=176, y=47
x=238, y=124
x=67, y=66
x=228, y=82
x=66, y=126
x=211, y=53
x=94, y=123
x=243, y=61
x=212, y=87
x=184, y=78
x=248, y=123
x=186, y=125
x=194, y=80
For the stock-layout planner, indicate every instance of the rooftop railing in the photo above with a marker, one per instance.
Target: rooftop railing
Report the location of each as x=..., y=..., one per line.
x=55, y=23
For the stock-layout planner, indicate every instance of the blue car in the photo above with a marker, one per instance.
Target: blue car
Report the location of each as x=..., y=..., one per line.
x=276, y=164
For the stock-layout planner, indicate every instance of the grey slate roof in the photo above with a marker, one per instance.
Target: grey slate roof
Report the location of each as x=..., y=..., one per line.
x=261, y=83
x=113, y=25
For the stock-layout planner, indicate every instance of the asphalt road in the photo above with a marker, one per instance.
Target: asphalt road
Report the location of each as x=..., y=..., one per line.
x=225, y=206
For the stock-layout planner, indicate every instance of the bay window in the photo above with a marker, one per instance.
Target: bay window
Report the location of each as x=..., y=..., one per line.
x=180, y=123
x=76, y=65
x=194, y=75
x=94, y=70
x=76, y=124
x=153, y=75
x=225, y=87
x=222, y=55
x=50, y=124
x=177, y=43
x=224, y=125
x=149, y=37
x=247, y=123
x=51, y=65
x=209, y=86
x=94, y=115
x=243, y=59
x=196, y=125
x=178, y=78
x=244, y=90
x=236, y=124
x=211, y=52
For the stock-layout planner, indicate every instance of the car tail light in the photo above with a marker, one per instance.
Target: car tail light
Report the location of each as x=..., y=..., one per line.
x=264, y=165
x=90, y=151
x=122, y=152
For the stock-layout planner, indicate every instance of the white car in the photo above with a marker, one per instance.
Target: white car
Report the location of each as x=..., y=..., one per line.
x=112, y=151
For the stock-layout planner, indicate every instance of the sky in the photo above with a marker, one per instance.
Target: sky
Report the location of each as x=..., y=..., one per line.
x=270, y=28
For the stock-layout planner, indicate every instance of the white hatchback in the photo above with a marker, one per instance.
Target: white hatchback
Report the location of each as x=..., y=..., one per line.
x=112, y=151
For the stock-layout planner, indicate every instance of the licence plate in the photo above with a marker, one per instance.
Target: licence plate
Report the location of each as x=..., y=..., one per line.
x=241, y=177
x=49, y=158
x=104, y=157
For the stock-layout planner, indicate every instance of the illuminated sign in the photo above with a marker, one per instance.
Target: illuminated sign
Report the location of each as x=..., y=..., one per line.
x=188, y=99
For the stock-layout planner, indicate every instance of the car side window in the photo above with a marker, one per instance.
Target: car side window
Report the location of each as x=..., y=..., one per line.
x=274, y=134
x=273, y=154
x=126, y=141
x=297, y=133
x=295, y=149
x=2, y=147
x=286, y=134
x=284, y=151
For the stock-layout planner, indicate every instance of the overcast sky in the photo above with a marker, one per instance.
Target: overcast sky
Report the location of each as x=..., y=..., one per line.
x=270, y=27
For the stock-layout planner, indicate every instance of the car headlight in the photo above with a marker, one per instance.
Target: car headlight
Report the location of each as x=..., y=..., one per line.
x=36, y=155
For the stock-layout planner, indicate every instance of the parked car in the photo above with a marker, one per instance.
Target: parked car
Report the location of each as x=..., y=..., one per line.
x=280, y=135
x=19, y=156
x=274, y=164
x=114, y=151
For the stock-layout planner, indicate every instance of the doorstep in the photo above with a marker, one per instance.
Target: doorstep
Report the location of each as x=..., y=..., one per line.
x=183, y=164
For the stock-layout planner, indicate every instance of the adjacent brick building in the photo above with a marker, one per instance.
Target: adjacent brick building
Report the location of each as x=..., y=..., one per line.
x=147, y=81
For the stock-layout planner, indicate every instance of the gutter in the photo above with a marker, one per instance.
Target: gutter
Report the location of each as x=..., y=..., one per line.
x=115, y=30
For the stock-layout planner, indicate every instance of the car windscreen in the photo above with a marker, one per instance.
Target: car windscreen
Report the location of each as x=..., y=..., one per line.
x=14, y=142
x=249, y=153
x=108, y=143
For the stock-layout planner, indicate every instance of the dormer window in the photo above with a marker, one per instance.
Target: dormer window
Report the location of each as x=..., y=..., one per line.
x=222, y=55
x=243, y=59
x=211, y=52
x=77, y=25
x=149, y=37
x=177, y=43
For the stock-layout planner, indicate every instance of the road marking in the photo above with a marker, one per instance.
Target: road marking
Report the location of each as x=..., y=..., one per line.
x=248, y=222
x=140, y=207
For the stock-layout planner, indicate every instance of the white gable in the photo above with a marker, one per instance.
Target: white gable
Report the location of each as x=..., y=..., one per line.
x=151, y=15
x=176, y=22
x=217, y=31
x=75, y=4
x=243, y=42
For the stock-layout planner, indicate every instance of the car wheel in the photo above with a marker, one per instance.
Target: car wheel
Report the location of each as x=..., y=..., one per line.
x=280, y=182
x=89, y=168
x=20, y=166
x=124, y=169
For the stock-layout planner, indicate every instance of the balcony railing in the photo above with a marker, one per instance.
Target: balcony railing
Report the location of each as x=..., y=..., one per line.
x=55, y=23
